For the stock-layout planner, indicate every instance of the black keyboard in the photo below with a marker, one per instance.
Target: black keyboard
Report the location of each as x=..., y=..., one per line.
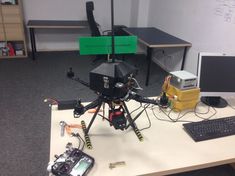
x=211, y=129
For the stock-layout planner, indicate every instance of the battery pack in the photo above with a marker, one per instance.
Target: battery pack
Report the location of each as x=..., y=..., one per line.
x=183, y=105
x=182, y=99
x=66, y=104
x=183, y=95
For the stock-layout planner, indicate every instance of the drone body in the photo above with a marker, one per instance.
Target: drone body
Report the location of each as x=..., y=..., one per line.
x=112, y=79
x=114, y=84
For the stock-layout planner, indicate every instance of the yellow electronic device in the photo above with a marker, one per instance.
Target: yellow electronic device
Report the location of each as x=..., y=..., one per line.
x=182, y=99
x=182, y=95
x=183, y=105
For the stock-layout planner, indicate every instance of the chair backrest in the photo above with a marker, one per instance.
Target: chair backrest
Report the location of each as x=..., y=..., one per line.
x=91, y=20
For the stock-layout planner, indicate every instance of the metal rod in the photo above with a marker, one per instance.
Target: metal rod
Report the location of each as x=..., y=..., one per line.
x=112, y=27
x=93, y=118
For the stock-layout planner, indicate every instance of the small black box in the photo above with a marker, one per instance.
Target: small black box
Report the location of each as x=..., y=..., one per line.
x=67, y=104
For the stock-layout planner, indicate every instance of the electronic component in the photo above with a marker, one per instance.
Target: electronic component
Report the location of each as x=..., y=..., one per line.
x=183, y=79
x=163, y=101
x=112, y=79
x=211, y=129
x=182, y=99
x=73, y=162
x=117, y=118
x=67, y=104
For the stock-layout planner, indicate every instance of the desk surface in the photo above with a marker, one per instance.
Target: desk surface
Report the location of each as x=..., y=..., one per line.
x=155, y=38
x=57, y=24
x=166, y=148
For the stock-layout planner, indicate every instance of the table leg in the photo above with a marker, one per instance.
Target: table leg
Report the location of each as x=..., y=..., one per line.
x=149, y=59
x=33, y=44
x=183, y=61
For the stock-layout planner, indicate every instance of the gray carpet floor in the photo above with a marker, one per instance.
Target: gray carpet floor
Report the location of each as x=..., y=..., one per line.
x=25, y=118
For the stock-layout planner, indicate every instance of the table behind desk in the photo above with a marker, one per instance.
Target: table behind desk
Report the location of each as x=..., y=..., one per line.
x=166, y=148
x=52, y=24
x=154, y=38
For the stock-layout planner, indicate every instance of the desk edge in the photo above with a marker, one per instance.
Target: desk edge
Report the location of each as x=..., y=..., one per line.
x=187, y=44
x=192, y=168
x=45, y=27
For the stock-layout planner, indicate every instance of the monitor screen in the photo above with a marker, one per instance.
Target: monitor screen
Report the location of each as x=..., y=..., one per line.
x=216, y=75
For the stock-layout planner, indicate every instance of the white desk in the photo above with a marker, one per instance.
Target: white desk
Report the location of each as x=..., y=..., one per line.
x=166, y=148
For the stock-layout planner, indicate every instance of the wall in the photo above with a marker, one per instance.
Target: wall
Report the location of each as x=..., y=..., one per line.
x=209, y=25
x=71, y=10
x=134, y=13
x=139, y=13
x=143, y=13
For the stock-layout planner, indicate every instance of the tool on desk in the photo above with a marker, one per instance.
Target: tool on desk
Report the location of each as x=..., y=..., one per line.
x=116, y=164
x=62, y=128
x=68, y=128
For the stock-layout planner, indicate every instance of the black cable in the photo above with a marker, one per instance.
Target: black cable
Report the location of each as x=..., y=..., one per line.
x=136, y=109
x=82, y=142
x=208, y=110
x=171, y=119
x=104, y=118
x=79, y=144
x=150, y=124
x=196, y=113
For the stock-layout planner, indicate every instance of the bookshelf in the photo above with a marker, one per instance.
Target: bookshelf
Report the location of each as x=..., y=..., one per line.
x=12, y=35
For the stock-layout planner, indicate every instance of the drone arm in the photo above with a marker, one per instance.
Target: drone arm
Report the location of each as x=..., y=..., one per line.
x=93, y=104
x=70, y=75
x=81, y=81
x=141, y=99
x=79, y=109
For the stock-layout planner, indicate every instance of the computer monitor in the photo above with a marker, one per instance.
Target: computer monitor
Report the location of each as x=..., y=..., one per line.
x=216, y=78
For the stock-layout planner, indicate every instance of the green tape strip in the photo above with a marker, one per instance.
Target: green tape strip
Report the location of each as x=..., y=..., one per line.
x=103, y=45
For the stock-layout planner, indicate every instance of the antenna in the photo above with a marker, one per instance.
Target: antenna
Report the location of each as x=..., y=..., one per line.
x=112, y=28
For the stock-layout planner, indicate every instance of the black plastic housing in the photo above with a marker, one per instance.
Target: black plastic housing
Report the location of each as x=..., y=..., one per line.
x=105, y=77
x=67, y=104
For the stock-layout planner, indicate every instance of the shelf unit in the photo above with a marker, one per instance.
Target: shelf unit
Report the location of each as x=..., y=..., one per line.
x=12, y=35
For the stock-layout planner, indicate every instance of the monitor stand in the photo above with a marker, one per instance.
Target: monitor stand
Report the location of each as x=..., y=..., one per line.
x=217, y=102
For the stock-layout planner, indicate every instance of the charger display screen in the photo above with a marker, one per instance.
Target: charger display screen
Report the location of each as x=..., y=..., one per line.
x=81, y=167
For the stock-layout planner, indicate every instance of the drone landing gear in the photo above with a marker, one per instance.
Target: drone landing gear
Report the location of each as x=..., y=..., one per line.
x=86, y=136
x=118, y=124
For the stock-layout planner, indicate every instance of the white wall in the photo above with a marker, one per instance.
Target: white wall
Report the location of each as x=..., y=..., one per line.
x=139, y=13
x=71, y=10
x=134, y=13
x=209, y=25
x=143, y=13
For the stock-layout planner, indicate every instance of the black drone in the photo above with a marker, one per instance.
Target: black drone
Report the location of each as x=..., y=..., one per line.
x=115, y=84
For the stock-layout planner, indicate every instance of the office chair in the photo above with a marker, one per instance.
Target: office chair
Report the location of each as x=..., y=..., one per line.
x=94, y=26
x=91, y=20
